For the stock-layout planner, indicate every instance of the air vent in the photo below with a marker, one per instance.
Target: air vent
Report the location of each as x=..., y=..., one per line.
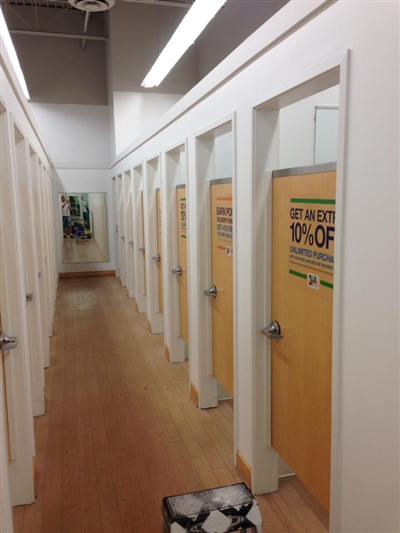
x=92, y=5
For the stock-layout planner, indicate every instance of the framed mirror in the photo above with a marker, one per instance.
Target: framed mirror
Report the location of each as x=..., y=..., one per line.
x=84, y=223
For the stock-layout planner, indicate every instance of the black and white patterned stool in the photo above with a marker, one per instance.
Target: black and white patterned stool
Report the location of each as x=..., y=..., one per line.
x=220, y=510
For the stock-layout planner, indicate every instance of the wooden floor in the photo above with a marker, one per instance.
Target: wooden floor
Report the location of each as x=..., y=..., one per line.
x=120, y=431
x=82, y=251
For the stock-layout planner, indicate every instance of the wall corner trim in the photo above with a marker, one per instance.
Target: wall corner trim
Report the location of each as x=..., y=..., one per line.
x=243, y=469
x=194, y=394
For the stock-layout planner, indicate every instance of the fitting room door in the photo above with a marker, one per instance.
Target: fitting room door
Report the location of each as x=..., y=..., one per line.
x=142, y=247
x=303, y=244
x=182, y=261
x=159, y=251
x=222, y=279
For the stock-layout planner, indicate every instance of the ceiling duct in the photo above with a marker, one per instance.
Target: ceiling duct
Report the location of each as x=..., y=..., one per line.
x=92, y=6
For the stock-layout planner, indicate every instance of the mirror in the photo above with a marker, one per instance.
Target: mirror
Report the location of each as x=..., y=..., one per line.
x=84, y=225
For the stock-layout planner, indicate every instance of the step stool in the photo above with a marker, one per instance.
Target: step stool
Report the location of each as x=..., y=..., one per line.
x=220, y=510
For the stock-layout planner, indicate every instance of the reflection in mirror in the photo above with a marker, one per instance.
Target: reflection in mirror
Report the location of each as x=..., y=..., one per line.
x=85, y=227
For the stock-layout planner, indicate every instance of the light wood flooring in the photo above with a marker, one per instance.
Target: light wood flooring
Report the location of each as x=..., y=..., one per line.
x=82, y=251
x=120, y=431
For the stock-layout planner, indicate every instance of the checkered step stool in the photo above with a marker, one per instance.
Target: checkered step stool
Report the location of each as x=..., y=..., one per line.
x=220, y=510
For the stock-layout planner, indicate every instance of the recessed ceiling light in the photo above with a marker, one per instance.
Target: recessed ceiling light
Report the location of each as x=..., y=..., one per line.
x=12, y=54
x=196, y=19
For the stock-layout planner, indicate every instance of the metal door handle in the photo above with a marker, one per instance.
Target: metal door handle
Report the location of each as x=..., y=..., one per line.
x=273, y=331
x=177, y=271
x=7, y=343
x=211, y=292
x=157, y=258
x=142, y=248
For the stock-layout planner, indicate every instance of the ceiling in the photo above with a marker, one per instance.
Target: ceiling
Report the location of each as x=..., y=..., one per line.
x=50, y=36
x=88, y=8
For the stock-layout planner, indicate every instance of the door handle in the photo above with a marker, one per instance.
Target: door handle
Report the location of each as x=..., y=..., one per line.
x=157, y=258
x=211, y=292
x=177, y=271
x=142, y=248
x=273, y=331
x=7, y=343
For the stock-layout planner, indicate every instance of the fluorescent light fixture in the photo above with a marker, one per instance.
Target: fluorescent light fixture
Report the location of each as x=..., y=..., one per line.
x=196, y=19
x=5, y=35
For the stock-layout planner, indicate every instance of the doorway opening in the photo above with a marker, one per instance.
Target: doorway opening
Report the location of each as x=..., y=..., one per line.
x=289, y=133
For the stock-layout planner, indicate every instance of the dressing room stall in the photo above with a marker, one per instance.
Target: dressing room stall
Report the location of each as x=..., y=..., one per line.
x=27, y=289
x=139, y=247
x=283, y=135
x=175, y=243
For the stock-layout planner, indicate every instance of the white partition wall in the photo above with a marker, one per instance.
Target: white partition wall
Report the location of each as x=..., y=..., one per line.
x=121, y=229
x=48, y=181
x=47, y=259
x=214, y=160
x=255, y=84
x=40, y=262
x=114, y=215
x=27, y=269
x=282, y=137
x=124, y=223
x=29, y=240
x=129, y=242
x=139, y=247
x=98, y=208
x=151, y=184
x=175, y=174
x=17, y=379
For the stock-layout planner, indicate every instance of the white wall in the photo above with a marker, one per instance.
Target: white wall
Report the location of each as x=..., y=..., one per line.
x=78, y=140
x=297, y=128
x=135, y=113
x=76, y=136
x=16, y=475
x=365, y=459
x=98, y=206
x=81, y=180
x=223, y=156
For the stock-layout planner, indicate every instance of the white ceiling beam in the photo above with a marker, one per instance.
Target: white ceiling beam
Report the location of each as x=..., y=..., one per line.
x=66, y=35
x=161, y=3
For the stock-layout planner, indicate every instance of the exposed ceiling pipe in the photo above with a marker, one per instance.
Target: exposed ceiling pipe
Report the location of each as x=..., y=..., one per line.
x=165, y=3
x=66, y=35
x=85, y=27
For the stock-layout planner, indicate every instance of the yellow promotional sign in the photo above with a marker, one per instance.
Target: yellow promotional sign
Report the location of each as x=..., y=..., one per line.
x=303, y=249
x=311, y=225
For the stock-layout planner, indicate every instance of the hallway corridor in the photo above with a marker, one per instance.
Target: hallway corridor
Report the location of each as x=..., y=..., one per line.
x=121, y=432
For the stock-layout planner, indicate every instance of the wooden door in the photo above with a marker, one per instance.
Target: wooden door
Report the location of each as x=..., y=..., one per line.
x=159, y=251
x=182, y=261
x=121, y=230
x=302, y=302
x=143, y=243
x=222, y=278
